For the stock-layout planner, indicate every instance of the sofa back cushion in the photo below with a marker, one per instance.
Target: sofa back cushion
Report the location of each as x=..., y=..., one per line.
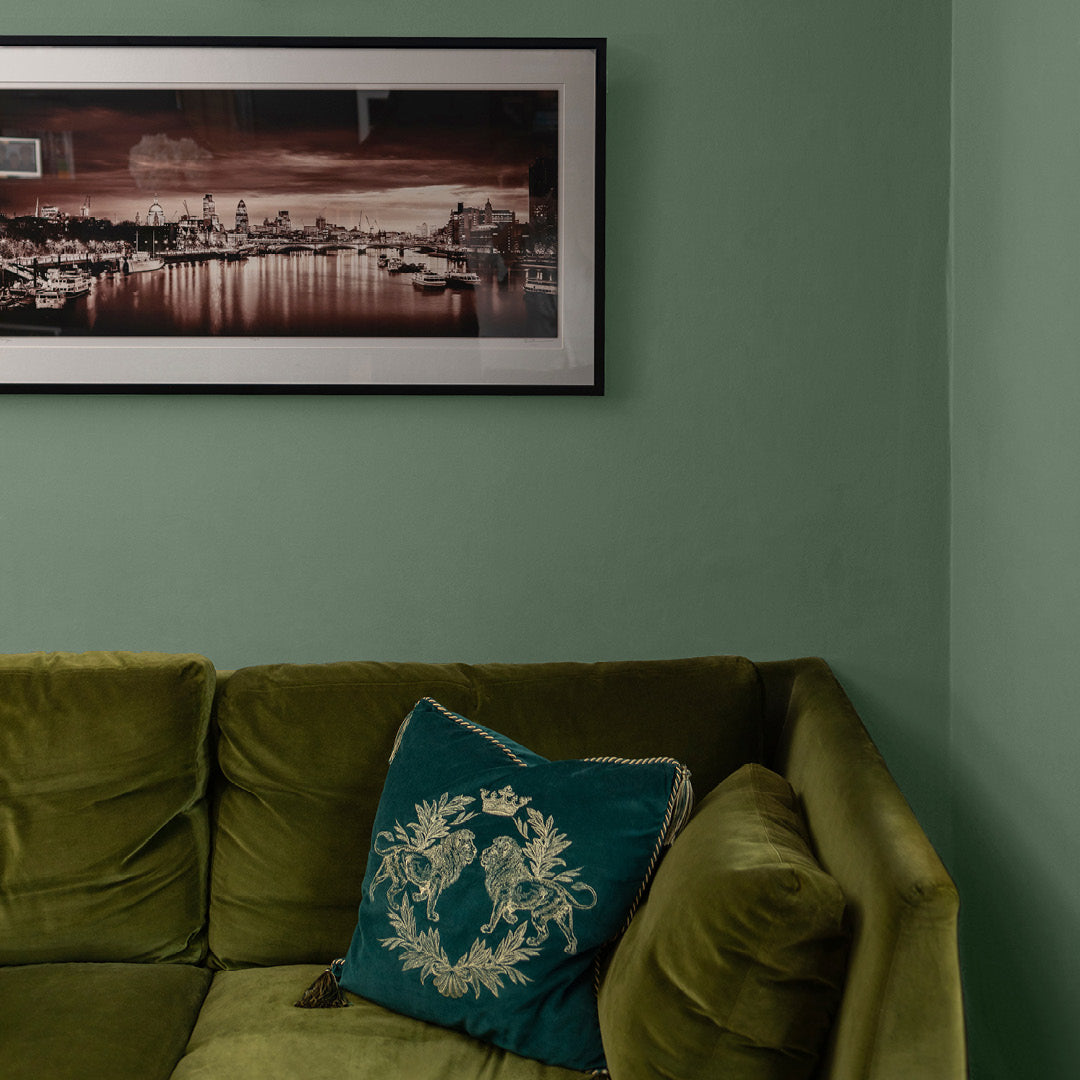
x=104, y=838
x=304, y=751
x=704, y=711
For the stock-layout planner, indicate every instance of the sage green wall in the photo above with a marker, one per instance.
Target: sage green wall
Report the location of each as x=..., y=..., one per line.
x=1016, y=531
x=767, y=474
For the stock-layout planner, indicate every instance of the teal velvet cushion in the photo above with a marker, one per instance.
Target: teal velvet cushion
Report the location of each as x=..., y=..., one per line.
x=496, y=877
x=734, y=965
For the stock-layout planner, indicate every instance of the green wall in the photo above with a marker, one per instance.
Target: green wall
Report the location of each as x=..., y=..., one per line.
x=1016, y=531
x=768, y=473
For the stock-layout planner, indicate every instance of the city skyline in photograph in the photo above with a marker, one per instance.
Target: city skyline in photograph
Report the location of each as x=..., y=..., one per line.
x=393, y=160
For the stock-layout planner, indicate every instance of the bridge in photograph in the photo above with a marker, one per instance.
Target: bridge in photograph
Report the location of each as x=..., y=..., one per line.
x=254, y=245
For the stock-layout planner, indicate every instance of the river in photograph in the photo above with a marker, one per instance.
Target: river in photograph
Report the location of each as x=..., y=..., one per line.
x=341, y=293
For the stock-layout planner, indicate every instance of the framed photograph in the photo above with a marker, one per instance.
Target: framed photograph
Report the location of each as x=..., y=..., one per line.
x=302, y=215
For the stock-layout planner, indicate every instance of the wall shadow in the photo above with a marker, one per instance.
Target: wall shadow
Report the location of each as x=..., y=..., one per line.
x=1019, y=921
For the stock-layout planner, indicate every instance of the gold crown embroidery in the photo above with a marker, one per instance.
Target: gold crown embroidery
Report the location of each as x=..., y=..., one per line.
x=503, y=803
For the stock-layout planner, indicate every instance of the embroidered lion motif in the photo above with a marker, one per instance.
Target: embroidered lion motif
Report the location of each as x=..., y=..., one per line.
x=513, y=888
x=429, y=870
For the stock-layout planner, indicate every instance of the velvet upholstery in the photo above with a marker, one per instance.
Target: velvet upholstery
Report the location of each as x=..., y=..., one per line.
x=104, y=840
x=303, y=751
x=902, y=1010
x=692, y=710
x=97, y=1021
x=248, y=1028
x=733, y=967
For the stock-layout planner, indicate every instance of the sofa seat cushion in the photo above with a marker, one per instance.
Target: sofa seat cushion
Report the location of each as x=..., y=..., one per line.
x=249, y=1030
x=103, y=815
x=97, y=1021
x=734, y=965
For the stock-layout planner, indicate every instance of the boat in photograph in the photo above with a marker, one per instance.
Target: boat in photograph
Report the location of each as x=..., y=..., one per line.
x=71, y=282
x=140, y=261
x=47, y=298
x=21, y=294
x=542, y=278
x=462, y=279
x=429, y=279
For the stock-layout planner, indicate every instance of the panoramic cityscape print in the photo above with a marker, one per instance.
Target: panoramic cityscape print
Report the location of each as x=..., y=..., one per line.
x=279, y=212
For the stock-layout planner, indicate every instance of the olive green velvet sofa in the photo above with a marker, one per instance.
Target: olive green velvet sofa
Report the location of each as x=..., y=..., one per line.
x=182, y=851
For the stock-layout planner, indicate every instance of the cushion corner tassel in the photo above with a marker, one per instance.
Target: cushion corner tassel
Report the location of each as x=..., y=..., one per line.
x=324, y=993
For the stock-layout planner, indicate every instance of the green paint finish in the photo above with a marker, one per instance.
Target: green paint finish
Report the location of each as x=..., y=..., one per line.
x=1016, y=523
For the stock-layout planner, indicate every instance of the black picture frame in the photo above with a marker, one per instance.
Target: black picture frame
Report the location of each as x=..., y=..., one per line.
x=398, y=139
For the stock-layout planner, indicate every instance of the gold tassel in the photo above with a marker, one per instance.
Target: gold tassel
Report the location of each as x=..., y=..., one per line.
x=323, y=993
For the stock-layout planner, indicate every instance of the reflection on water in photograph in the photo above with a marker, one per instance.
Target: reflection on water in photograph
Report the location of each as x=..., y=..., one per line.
x=344, y=292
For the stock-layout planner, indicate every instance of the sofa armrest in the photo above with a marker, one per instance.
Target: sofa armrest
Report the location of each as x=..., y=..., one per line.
x=901, y=1015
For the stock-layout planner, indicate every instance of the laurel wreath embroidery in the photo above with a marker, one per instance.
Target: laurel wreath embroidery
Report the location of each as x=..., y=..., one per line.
x=426, y=856
x=431, y=823
x=479, y=967
x=542, y=850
